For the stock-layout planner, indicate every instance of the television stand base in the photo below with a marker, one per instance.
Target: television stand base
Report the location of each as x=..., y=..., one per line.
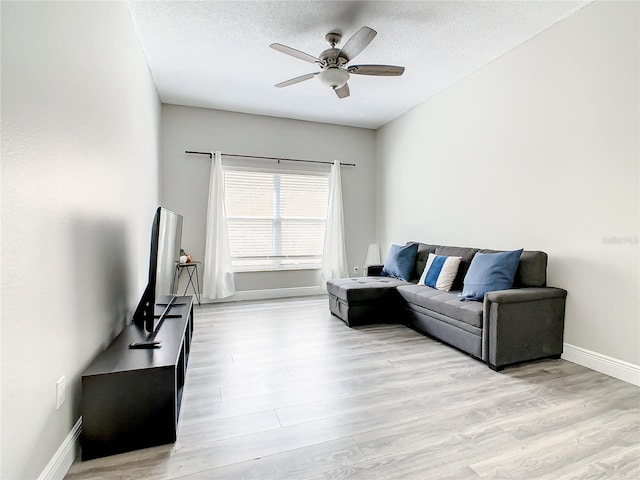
x=146, y=344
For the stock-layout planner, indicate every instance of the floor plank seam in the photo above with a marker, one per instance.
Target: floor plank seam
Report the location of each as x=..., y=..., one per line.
x=359, y=450
x=275, y=410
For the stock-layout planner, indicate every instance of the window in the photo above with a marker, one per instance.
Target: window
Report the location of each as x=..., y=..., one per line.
x=276, y=220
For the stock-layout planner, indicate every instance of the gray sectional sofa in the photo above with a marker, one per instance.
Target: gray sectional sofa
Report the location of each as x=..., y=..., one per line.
x=511, y=326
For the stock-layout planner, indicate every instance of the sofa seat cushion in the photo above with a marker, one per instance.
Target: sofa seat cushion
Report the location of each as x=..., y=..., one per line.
x=444, y=303
x=363, y=289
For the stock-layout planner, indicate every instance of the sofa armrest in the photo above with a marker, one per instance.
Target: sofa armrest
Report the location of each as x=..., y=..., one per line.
x=522, y=324
x=516, y=295
x=374, y=270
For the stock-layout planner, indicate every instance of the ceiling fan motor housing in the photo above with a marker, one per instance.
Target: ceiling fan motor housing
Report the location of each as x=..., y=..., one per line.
x=331, y=58
x=333, y=75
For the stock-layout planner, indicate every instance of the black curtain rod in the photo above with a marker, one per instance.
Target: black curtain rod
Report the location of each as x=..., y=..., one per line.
x=269, y=158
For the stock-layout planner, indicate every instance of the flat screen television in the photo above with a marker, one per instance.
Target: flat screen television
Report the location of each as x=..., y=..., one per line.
x=159, y=294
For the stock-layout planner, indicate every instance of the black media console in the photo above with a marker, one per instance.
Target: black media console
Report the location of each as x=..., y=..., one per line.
x=131, y=397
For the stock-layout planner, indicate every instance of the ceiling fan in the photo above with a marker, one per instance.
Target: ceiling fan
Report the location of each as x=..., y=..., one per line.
x=333, y=62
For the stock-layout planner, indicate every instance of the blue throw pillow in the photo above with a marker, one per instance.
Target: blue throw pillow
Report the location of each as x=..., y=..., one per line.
x=400, y=261
x=489, y=272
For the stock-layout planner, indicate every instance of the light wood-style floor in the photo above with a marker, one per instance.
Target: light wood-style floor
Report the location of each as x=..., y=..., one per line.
x=283, y=390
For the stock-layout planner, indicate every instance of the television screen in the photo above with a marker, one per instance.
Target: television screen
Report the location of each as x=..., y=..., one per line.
x=169, y=237
x=166, y=236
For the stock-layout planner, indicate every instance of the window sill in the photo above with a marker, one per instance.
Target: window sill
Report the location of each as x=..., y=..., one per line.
x=273, y=269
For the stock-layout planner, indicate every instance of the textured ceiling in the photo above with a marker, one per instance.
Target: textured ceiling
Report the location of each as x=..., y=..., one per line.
x=215, y=54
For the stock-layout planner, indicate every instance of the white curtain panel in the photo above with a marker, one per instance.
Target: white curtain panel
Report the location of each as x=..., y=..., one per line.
x=217, y=274
x=334, y=257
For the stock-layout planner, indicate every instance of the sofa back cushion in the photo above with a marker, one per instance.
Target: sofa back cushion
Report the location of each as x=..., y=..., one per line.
x=532, y=269
x=421, y=258
x=466, y=253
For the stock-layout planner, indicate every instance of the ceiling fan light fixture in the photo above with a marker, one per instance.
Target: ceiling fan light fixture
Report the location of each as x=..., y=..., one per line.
x=333, y=62
x=334, y=77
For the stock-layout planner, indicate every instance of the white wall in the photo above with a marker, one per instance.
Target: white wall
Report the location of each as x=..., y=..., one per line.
x=539, y=150
x=185, y=178
x=80, y=126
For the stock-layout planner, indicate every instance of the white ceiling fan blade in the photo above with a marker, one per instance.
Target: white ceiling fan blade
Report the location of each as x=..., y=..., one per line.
x=294, y=53
x=343, y=91
x=299, y=79
x=381, y=70
x=358, y=42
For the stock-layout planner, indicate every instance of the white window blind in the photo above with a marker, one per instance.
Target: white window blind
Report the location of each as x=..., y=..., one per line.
x=276, y=220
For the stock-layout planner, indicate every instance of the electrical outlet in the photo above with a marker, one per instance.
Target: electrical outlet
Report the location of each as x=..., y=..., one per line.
x=356, y=271
x=61, y=391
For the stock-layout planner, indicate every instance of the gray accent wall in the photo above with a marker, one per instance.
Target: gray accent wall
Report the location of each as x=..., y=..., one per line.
x=540, y=150
x=80, y=133
x=185, y=178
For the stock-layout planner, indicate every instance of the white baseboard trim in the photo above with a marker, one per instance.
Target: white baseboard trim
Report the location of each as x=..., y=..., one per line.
x=602, y=363
x=59, y=464
x=268, y=294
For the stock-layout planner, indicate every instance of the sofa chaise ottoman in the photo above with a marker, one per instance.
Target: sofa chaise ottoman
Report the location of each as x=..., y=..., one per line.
x=525, y=322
